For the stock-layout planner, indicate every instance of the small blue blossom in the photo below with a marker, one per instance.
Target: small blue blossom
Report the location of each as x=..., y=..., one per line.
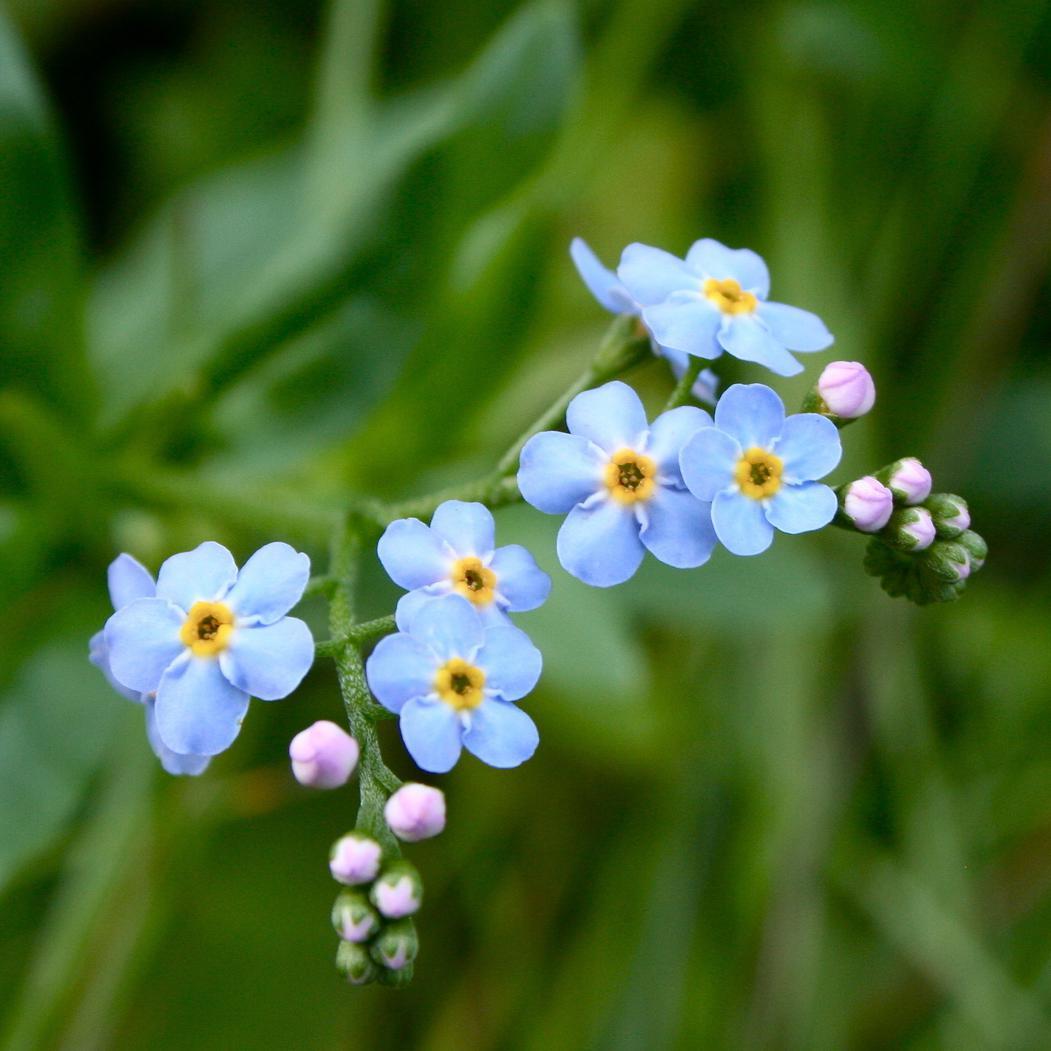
x=457, y=553
x=760, y=469
x=617, y=480
x=130, y=580
x=716, y=300
x=452, y=678
x=209, y=638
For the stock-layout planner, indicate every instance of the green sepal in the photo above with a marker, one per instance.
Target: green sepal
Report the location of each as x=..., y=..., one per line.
x=355, y=964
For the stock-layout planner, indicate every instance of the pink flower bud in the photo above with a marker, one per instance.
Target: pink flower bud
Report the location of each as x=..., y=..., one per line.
x=847, y=389
x=398, y=892
x=415, y=812
x=868, y=503
x=920, y=529
x=910, y=481
x=323, y=755
x=355, y=858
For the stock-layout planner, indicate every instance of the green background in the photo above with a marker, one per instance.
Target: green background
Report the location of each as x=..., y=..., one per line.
x=258, y=255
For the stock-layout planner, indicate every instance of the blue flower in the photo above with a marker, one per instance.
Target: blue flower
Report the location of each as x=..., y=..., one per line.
x=760, y=470
x=457, y=553
x=128, y=581
x=210, y=638
x=452, y=678
x=607, y=288
x=619, y=480
x=715, y=300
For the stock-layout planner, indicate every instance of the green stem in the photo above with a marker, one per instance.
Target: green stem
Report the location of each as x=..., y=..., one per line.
x=683, y=392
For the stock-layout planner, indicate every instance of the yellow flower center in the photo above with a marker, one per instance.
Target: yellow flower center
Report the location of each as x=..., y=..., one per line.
x=460, y=684
x=208, y=628
x=630, y=476
x=473, y=580
x=729, y=297
x=758, y=473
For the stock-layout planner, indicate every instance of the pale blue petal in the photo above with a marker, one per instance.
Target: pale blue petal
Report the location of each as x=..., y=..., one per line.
x=809, y=446
x=501, y=734
x=740, y=524
x=204, y=574
x=678, y=528
x=142, y=640
x=449, y=626
x=466, y=527
x=796, y=329
x=559, y=470
x=752, y=413
x=413, y=555
x=708, y=460
x=712, y=259
x=98, y=654
x=651, y=275
x=745, y=338
x=519, y=579
x=670, y=432
x=398, y=669
x=270, y=583
x=801, y=508
x=270, y=660
x=173, y=762
x=199, y=711
x=431, y=730
x=128, y=580
x=601, y=281
x=688, y=322
x=510, y=661
x=600, y=544
x=611, y=416
x=410, y=603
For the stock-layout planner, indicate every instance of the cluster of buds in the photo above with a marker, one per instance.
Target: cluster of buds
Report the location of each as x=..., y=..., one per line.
x=922, y=545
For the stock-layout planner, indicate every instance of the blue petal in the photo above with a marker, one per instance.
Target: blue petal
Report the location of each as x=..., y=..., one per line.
x=740, y=524
x=686, y=321
x=142, y=640
x=98, y=654
x=708, y=460
x=413, y=555
x=501, y=734
x=670, y=432
x=558, y=471
x=519, y=579
x=796, y=329
x=269, y=661
x=809, y=446
x=510, y=661
x=600, y=544
x=601, y=281
x=467, y=528
x=611, y=416
x=270, y=583
x=678, y=528
x=752, y=413
x=204, y=574
x=173, y=762
x=745, y=338
x=431, y=731
x=199, y=712
x=801, y=508
x=409, y=604
x=651, y=275
x=449, y=626
x=398, y=669
x=712, y=259
x=129, y=580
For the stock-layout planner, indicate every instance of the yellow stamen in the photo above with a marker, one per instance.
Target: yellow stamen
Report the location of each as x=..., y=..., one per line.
x=758, y=473
x=460, y=684
x=729, y=297
x=208, y=628
x=473, y=580
x=630, y=476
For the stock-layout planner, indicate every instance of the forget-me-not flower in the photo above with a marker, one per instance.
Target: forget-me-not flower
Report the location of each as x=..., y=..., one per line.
x=457, y=553
x=715, y=301
x=452, y=678
x=130, y=580
x=617, y=480
x=760, y=469
x=211, y=638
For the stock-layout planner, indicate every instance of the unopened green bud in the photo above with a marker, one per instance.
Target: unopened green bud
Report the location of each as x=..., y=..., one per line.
x=950, y=514
x=396, y=979
x=948, y=562
x=397, y=945
x=353, y=917
x=355, y=963
x=975, y=546
x=910, y=529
